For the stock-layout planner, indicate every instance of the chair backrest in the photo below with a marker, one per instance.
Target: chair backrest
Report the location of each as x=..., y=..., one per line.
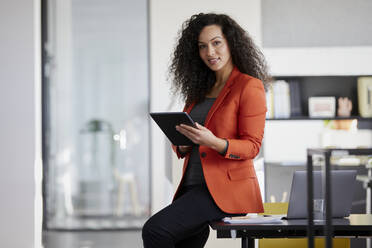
x=275, y=207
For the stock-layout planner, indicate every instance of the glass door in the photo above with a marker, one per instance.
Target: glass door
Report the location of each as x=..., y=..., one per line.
x=95, y=114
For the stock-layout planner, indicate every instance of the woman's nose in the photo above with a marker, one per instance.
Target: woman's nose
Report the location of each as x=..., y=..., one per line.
x=211, y=50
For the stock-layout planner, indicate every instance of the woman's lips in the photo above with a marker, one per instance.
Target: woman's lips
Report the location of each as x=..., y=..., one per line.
x=213, y=61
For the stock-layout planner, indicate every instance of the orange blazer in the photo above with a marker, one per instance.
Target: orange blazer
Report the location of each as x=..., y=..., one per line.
x=238, y=115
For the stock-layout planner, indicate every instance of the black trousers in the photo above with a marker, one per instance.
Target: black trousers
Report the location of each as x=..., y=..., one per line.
x=184, y=223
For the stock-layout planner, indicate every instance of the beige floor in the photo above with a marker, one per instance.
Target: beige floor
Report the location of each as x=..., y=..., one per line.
x=114, y=239
x=92, y=239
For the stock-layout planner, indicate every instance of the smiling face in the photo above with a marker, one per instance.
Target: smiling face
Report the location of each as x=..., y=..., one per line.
x=214, y=49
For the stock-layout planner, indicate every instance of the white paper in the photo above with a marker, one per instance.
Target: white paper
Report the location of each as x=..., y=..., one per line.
x=253, y=220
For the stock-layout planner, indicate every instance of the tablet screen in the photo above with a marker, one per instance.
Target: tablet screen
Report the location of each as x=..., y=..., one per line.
x=167, y=122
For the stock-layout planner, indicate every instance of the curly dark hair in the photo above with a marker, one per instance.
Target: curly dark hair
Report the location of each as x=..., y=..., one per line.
x=191, y=76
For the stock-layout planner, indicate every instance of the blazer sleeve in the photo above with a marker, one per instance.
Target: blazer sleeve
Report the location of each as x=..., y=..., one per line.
x=251, y=123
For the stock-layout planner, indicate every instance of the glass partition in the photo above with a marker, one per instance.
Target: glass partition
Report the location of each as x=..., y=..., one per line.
x=95, y=114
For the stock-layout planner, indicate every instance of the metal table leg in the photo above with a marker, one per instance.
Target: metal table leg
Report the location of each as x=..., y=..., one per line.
x=310, y=198
x=247, y=242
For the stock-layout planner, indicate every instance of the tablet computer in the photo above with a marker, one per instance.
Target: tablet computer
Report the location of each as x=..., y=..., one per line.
x=167, y=122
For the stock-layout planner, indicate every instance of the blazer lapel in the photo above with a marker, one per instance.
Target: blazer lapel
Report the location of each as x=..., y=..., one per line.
x=216, y=104
x=221, y=96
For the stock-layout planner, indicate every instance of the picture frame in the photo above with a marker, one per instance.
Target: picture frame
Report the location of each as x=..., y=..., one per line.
x=322, y=106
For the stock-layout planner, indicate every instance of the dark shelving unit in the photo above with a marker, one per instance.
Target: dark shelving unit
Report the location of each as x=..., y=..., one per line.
x=337, y=86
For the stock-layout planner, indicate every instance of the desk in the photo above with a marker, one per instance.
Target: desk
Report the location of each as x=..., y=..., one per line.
x=356, y=226
x=328, y=225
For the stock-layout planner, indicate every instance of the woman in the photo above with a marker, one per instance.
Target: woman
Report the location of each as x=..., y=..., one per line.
x=220, y=74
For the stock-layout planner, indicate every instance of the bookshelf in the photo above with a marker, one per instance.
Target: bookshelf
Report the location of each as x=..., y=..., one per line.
x=337, y=86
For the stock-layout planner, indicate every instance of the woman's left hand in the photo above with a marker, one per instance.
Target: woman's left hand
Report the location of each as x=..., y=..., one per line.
x=202, y=136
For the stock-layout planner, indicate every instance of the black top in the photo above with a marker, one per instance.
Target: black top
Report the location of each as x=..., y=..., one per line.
x=194, y=173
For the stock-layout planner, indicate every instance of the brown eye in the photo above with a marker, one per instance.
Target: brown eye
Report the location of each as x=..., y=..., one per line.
x=201, y=46
x=216, y=43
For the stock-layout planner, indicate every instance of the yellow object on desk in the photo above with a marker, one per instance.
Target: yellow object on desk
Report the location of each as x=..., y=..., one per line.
x=281, y=208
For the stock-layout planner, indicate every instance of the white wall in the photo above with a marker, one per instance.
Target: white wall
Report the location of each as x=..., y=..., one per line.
x=319, y=61
x=166, y=18
x=17, y=130
x=307, y=38
x=19, y=94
